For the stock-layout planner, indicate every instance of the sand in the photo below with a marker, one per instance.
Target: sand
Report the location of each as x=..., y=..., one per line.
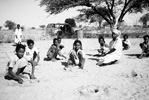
x=126, y=80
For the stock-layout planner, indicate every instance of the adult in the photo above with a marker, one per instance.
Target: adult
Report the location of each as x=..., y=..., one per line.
x=115, y=49
x=18, y=35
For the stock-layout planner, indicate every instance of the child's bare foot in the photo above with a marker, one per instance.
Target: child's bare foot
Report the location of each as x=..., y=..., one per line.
x=32, y=77
x=22, y=76
x=20, y=81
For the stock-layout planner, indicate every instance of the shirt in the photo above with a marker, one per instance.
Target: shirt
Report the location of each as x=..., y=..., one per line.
x=29, y=53
x=117, y=45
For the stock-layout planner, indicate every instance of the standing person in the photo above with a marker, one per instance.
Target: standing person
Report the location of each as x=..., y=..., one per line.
x=145, y=47
x=115, y=51
x=16, y=65
x=18, y=35
x=103, y=46
x=54, y=50
x=32, y=55
x=126, y=42
x=76, y=55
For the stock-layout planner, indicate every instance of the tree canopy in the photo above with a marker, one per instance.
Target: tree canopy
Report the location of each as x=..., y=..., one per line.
x=10, y=24
x=144, y=19
x=113, y=11
x=88, y=15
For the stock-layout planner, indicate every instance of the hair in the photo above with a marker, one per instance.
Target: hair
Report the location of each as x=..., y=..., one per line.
x=125, y=35
x=101, y=37
x=30, y=41
x=55, y=39
x=78, y=41
x=145, y=36
x=59, y=38
x=18, y=46
x=18, y=25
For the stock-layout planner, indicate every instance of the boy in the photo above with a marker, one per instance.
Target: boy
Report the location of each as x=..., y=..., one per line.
x=32, y=55
x=16, y=65
x=126, y=42
x=145, y=47
x=54, y=50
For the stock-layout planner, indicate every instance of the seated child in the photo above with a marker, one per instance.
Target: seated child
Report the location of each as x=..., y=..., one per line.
x=126, y=42
x=145, y=47
x=103, y=47
x=32, y=55
x=60, y=45
x=76, y=55
x=16, y=65
x=54, y=50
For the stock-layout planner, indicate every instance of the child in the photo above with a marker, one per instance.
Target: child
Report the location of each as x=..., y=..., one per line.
x=18, y=35
x=77, y=56
x=103, y=47
x=60, y=45
x=126, y=43
x=54, y=50
x=32, y=55
x=145, y=47
x=16, y=64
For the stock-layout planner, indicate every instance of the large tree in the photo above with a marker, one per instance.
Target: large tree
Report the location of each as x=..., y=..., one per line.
x=144, y=19
x=88, y=15
x=113, y=11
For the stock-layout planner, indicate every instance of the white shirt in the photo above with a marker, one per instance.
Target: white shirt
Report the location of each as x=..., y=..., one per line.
x=18, y=33
x=127, y=42
x=76, y=55
x=117, y=45
x=29, y=53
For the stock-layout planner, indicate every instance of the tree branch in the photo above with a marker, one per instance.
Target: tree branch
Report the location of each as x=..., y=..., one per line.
x=127, y=10
x=103, y=16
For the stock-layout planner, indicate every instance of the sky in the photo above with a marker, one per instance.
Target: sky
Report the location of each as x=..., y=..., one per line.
x=28, y=13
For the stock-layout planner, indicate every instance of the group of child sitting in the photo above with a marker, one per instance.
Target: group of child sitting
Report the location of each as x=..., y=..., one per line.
x=29, y=55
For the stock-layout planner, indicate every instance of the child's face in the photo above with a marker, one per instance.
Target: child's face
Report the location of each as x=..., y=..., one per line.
x=20, y=52
x=125, y=37
x=56, y=42
x=30, y=46
x=77, y=46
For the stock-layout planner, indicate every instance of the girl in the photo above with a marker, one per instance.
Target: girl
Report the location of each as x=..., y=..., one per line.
x=16, y=64
x=76, y=56
x=103, y=47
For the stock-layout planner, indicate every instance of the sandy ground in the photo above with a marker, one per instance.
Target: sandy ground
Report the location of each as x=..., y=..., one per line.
x=127, y=80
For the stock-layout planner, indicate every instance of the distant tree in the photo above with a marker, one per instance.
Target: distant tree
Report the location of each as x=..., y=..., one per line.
x=42, y=26
x=113, y=11
x=33, y=28
x=10, y=24
x=71, y=22
x=88, y=15
x=144, y=19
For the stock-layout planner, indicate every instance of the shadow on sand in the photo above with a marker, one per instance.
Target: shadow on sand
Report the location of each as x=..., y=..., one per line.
x=133, y=55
